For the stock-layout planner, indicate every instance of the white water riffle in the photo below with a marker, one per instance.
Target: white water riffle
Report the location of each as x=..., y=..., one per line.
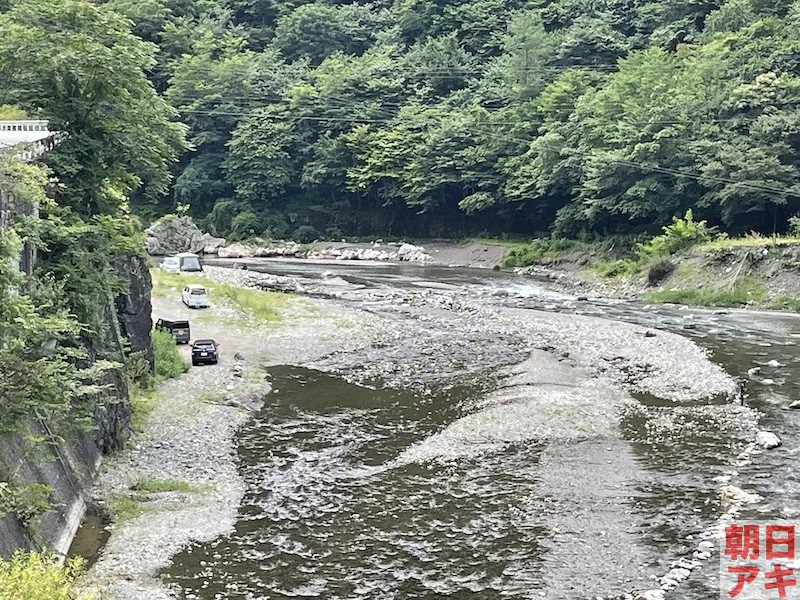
x=543, y=400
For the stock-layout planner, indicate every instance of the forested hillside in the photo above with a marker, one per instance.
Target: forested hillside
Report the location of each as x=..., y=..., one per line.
x=434, y=118
x=446, y=118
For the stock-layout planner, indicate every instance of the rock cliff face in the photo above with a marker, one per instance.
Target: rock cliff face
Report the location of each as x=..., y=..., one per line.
x=133, y=309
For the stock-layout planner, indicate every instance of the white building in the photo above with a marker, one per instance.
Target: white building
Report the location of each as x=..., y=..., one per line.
x=25, y=140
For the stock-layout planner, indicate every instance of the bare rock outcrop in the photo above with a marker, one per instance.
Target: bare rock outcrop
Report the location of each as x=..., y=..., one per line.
x=172, y=234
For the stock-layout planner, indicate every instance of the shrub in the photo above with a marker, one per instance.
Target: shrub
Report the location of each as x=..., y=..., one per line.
x=245, y=225
x=615, y=268
x=168, y=361
x=305, y=234
x=683, y=233
x=34, y=576
x=25, y=501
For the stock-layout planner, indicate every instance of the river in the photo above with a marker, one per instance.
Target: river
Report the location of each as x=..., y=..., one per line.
x=330, y=511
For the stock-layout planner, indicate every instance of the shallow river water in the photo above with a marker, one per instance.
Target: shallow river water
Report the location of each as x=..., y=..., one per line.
x=330, y=513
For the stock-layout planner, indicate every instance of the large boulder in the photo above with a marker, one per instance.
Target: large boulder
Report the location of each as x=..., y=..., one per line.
x=236, y=250
x=211, y=244
x=172, y=234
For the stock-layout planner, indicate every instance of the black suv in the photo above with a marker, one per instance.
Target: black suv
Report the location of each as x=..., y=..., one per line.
x=178, y=328
x=204, y=351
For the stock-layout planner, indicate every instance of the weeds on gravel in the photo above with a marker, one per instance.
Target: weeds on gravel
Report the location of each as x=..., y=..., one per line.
x=35, y=576
x=261, y=305
x=786, y=302
x=142, y=404
x=211, y=396
x=746, y=292
x=124, y=508
x=163, y=485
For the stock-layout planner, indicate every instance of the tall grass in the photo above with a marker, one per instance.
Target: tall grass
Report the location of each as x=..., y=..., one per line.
x=167, y=359
x=786, y=302
x=34, y=576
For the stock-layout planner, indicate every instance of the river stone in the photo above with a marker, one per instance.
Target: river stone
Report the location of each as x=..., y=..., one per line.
x=733, y=495
x=768, y=440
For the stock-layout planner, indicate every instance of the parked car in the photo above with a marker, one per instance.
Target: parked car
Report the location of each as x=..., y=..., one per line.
x=204, y=351
x=177, y=328
x=189, y=262
x=171, y=264
x=195, y=296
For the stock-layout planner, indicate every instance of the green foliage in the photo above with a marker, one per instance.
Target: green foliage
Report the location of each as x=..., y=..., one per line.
x=615, y=268
x=794, y=226
x=305, y=234
x=530, y=253
x=246, y=225
x=264, y=306
x=682, y=233
x=11, y=112
x=89, y=80
x=167, y=359
x=423, y=118
x=35, y=576
x=26, y=501
x=143, y=401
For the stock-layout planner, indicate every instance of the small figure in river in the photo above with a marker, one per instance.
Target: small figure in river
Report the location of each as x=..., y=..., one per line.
x=742, y=391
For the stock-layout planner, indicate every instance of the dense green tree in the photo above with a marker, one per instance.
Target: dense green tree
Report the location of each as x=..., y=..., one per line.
x=79, y=65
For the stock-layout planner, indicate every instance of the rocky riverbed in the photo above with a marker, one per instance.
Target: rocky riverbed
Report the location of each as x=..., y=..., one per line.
x=568, y=383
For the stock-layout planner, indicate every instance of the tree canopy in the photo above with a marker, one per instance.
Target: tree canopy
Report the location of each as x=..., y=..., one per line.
x=421, y=117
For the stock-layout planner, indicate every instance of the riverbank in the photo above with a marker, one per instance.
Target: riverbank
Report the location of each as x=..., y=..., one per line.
x=177, y=482
x=748, y=272
x=553, y=384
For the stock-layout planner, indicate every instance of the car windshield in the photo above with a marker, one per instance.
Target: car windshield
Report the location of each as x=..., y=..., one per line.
x=204, y=343
x=179, y=324
x=190, y=263
x=197, y=292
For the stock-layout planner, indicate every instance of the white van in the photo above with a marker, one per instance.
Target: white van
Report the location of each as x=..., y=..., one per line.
x=195, y=296
x=171, y=264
